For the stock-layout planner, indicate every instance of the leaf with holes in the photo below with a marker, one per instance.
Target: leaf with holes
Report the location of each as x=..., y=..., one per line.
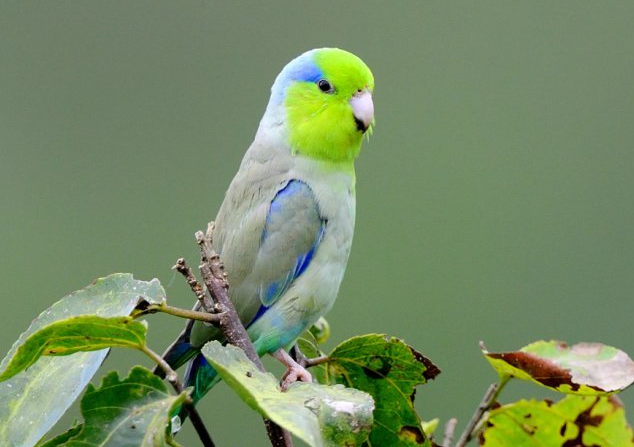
x=33, y=400
x=321, y=416
x=389, y=370
x=597, y=421
x=584, y=368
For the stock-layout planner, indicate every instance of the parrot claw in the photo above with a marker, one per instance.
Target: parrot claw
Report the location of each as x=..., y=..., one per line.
x=294, y=371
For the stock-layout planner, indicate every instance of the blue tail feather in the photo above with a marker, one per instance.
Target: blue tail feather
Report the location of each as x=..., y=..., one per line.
x=201, y=375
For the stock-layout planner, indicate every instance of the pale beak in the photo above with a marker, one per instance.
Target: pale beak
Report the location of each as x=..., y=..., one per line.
x=362, y=109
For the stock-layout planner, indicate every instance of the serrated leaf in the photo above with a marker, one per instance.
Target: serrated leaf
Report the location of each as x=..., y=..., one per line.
x=76, y=334
x=584, y=368
x=389, y=370
x=322, y=416
x=597, y=421
x=32, y=401
x=133, y=412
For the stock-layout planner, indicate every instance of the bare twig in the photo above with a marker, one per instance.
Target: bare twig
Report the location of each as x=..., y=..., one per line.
x=307, y=363
x=178, y=312
x=172, y=378
x=490, y=396
x=215, y=279
x=450, y=428
x=304, y=361
x=182, y=268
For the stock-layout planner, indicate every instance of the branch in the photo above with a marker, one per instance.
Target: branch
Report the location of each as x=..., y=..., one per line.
x=182, y=268
x=172, y=378
x=489, y=398
x=215, y=279
x=304, y=361
x=450, y=428
x=178, y=312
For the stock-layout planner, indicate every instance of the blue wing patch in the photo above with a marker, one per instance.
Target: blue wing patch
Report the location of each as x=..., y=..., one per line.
x=293, y=213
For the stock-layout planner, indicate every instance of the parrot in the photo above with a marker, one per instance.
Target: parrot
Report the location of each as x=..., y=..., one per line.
x=284, y=229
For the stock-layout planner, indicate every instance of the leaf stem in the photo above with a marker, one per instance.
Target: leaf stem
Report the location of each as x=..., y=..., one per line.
x=307, y=363
x=172, y=378
x=212, y=318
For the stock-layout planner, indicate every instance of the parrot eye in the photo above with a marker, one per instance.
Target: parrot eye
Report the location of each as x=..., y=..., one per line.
x=325, y=86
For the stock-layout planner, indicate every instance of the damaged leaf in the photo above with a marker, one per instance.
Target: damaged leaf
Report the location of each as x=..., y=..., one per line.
x=574, y=421
x=389, y=370
x=584, y=368
x=133, y=412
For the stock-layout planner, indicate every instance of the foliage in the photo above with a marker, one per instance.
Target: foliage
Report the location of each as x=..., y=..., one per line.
x=328, y=416
x=363, y=395
x=575, y=420
x=34, y=400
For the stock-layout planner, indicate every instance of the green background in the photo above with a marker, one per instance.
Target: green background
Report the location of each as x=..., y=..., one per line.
x=495, y=198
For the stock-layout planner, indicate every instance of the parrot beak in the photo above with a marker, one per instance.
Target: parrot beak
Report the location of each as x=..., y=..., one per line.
x=362, y=109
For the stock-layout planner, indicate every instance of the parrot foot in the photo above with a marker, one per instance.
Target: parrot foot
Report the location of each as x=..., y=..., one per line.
x=294, y=371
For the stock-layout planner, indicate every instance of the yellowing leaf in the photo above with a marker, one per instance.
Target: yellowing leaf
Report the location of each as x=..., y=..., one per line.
x=579, y=421
x=584, y=368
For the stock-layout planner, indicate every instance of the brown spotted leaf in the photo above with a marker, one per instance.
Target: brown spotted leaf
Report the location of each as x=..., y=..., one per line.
x=584, y=368
x=389, y=370
x=574, y=421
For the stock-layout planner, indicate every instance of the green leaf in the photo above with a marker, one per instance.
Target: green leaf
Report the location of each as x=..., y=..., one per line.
x=309, y=347
x=597, y=421
x=585, y=368
x=320, y=330
x=61, y=438
x=389, y=370
x=76, y=334
x=429, y=427
x=321, y=416
x=33, y=400
x=134, y=412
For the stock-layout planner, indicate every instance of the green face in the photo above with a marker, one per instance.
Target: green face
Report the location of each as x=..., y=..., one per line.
x=319, y=115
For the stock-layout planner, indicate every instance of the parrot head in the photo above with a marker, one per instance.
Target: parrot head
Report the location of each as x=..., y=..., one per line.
x=324, y=100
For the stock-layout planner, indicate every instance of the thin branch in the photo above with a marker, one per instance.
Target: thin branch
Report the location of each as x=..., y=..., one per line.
x=304, y=361
x=490, y=396
x=307, y=363
x=182, y=268
x=450, y=429
x=178, y=312
x=215, y=279
x=170, y=374
x=172, y=378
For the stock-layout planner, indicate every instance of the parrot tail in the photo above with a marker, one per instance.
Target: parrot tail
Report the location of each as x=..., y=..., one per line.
x=202, y=376
x=178, y=353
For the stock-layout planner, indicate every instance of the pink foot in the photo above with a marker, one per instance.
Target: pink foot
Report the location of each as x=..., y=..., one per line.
x=294, y=371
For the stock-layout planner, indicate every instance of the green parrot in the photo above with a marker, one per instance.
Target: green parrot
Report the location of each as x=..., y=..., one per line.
x=285, y=227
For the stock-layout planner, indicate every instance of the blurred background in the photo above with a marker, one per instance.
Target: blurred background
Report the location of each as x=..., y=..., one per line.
x=495, y=198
